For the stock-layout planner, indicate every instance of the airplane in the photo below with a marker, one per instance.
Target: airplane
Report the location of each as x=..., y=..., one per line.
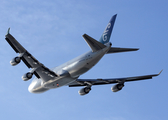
x=68, y=73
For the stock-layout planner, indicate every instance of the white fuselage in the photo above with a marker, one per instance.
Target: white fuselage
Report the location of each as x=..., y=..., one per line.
x=69, y=71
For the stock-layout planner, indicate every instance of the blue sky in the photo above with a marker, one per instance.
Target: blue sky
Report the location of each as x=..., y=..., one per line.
x=52, y=31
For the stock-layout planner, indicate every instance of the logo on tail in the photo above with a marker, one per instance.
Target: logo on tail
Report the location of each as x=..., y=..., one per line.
x=105, y=37
x=107, y=32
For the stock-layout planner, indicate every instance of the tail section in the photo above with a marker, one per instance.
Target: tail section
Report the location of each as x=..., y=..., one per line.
x=118, y=49
x=107, y=32
x=93, y=44
x=98, y=45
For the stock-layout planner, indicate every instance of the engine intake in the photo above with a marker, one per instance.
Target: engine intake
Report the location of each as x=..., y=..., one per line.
x=27, y=76
x=84, y=91
x=117, y=87
x=15, y=61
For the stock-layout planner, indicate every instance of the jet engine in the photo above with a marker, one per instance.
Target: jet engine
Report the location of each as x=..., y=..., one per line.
x=27, y=76
x=84, y=91
x=117, y=87
x=15, y=61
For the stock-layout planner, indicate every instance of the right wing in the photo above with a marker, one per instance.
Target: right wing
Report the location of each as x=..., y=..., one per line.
x=90, y=82
x=38, y=69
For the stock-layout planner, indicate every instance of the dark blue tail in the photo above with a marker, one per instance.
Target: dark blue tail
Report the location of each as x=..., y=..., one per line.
x=107, y=32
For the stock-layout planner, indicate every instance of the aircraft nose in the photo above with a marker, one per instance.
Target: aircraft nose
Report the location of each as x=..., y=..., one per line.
x=32, y=86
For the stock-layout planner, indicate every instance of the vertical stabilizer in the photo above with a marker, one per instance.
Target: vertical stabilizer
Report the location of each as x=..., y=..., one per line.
x=107, y=32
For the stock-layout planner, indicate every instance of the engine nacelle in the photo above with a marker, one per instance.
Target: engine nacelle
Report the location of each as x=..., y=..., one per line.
x=117, y=87
x=84, y=91
x=27, y=76
x=15, y=61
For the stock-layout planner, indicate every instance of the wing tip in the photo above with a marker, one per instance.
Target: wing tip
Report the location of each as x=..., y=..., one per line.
x=137, y=48
x=160, y=72
x=8, y=32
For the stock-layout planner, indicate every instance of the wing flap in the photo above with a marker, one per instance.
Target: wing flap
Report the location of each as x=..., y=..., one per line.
x=26, y=63
x=30, y=61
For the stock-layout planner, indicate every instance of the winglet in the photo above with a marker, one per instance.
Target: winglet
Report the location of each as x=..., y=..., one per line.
x=160, y=72
x=8, y=31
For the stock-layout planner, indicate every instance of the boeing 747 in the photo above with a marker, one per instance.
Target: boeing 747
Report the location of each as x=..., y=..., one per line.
x=68, y=73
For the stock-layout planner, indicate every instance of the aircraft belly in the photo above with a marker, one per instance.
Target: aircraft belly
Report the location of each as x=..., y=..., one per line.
x=78, y=72
x=62, y=81
x=65, y=81
x=37, y=87
x=84, y=65
x=39, y=90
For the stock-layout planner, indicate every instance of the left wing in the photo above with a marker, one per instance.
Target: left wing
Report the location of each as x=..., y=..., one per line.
x=38, y=69
x=90, y=82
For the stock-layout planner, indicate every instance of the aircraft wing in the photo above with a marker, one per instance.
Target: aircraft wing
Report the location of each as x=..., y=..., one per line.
x=90, y=82
x=38, y=69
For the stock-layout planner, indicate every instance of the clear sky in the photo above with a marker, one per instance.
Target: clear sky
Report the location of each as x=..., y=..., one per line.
x=52, y=32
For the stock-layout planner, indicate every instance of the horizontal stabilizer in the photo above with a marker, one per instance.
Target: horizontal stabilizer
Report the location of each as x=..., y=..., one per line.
x=117, y=49
x=93, y=44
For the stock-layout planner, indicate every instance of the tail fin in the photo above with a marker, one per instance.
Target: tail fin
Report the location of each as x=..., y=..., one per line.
x=93, y=44
x=107, y=32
